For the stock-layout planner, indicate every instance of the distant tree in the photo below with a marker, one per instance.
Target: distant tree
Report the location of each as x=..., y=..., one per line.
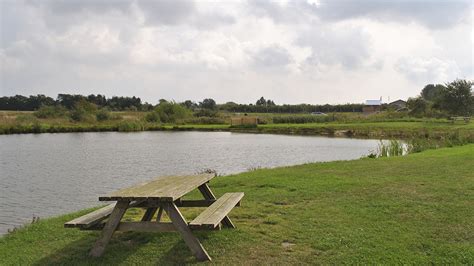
x=162, y=101
x=261, y=101
x=456, y=98
x=146, y=107
x=189, y=104
x=418, y=106
x=229, y=106
x=69, y=100
x=208, y=104
x=270, y=103
x=124, y=103
x=431, y=92
x=98, y=99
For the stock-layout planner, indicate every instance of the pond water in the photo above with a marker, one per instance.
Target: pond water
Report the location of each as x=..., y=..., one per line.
x=50, y=174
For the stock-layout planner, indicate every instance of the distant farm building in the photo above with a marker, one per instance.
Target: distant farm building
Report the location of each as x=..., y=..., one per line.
x=398, y=104
x=372, y=106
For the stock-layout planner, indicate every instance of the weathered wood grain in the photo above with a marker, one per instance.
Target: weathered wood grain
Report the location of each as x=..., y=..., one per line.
x=214, y=214
x=91, y=218
x=167, y=188
x=207, y=194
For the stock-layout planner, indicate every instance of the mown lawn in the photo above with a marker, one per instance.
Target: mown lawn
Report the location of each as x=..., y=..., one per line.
x=417, y=209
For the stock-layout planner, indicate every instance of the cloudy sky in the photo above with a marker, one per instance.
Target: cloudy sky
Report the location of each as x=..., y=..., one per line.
x=301, y=51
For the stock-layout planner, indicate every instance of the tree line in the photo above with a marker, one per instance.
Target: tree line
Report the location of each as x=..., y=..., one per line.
x=34, y=102
x=438, y=100
x=454, y=98
x=207, y=107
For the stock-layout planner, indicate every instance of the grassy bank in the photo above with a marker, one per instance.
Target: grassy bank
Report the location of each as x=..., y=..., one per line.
x=368, y=127
x=416, y=209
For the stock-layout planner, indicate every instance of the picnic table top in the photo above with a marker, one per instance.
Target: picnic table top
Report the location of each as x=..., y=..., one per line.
x=165, y=188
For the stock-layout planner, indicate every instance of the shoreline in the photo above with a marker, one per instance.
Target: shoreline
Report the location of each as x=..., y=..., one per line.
x=339, y=201
x=364, y=130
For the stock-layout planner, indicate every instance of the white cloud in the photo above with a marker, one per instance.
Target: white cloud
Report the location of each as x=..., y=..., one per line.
x=289, y=51
x=428, y=70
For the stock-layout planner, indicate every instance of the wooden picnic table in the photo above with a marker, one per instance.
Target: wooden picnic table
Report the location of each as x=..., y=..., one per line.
x=163, y=193
x=466, y=119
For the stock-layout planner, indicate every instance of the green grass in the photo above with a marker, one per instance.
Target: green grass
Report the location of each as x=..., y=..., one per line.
x=357, y=126
x=416, y=209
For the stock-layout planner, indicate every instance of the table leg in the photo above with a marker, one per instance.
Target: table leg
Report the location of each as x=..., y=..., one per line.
x=160, y=213
x=150, y=212
x=208, y=195
x=109, y=228
x=182, y=227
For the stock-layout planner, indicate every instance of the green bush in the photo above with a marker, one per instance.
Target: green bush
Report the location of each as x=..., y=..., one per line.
x=206, y=113
x=152, y=117
x=79, y=115
x=129, y=126
x=206, y=120
x=301, y=119
x=83, y=111
x=168, y=112
x=103, y=115
x=51, y=111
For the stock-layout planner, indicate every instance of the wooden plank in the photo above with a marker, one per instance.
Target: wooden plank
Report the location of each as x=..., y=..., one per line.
x=207, y=194
x=182, y=227
x=91, y=218
x=146, y=227
x=215, y=213
x=167, y=188
x=114, y=220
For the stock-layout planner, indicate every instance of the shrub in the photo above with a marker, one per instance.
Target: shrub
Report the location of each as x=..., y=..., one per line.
x=205, y=113
x=168, y=112
x=103, y=115
x=129, y=126
x=301, y=119
x=205, y=120
x=152, y=117
x=83, y=111
x=51, y=111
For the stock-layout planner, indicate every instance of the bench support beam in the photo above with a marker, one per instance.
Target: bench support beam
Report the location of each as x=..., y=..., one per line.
x=182, y=227
x=149, y=213
x=160, y=213
x=109, y=228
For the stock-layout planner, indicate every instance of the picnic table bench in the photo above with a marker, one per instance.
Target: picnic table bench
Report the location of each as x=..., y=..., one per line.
x=466, y=119
x=161, y=194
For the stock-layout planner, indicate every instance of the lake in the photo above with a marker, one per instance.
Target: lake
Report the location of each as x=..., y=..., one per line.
x=50, y=174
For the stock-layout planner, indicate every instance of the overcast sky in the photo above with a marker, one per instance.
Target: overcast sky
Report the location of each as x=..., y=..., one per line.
x=318, y=51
